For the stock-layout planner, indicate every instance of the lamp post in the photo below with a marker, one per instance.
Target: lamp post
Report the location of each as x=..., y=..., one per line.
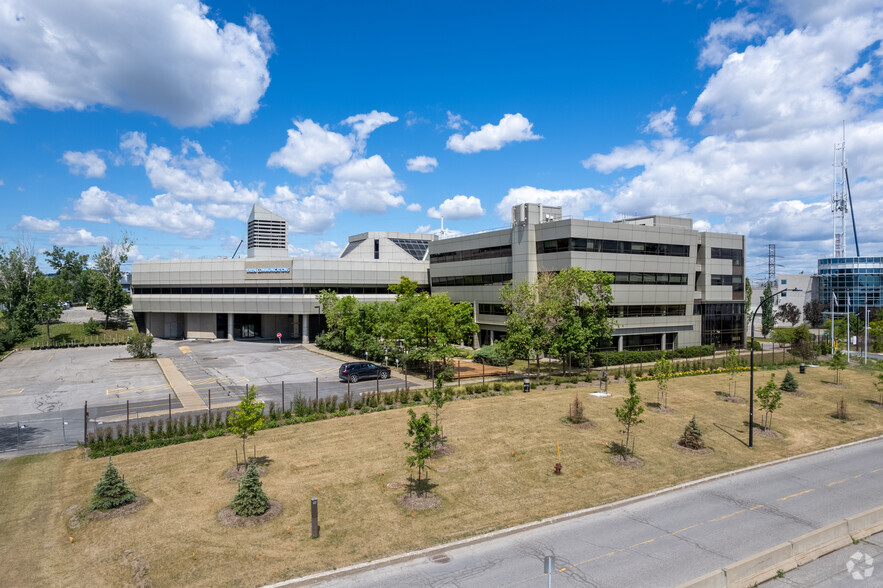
x=751, y=368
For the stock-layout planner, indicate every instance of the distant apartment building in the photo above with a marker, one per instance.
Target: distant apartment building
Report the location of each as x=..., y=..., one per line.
x=673, y=286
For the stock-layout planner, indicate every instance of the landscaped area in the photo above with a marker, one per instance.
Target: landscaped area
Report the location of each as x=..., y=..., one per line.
x=499, y=474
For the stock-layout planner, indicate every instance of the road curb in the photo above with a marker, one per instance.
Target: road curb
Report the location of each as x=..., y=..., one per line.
x=784, y=557
x=403, y=557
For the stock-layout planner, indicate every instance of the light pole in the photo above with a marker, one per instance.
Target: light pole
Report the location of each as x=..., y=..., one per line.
x=751, y=368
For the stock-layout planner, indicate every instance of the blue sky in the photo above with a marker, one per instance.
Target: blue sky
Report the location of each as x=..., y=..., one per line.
x=167, y=119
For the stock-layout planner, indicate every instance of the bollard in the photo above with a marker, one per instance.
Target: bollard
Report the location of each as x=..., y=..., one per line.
x=283, y=398
x=210, y=402
x=548, y=564
x=170, y=406
x=127, y=414
x=314, y=511
x=526, y=385
x=317, y=392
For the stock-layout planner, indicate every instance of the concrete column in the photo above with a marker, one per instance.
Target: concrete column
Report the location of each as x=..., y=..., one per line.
x=619, y=343
x=230, y=326
x=662, y=342
x=492, y=337
x=305, y=328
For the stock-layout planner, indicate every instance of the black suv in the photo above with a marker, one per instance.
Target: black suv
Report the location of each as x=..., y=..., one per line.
x=360, y=370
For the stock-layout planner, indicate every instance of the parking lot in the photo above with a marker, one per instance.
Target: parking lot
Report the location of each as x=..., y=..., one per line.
x=43, y=393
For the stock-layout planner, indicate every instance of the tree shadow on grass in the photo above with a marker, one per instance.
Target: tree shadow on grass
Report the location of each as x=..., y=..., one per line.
x=420, y=487
x=617, y=448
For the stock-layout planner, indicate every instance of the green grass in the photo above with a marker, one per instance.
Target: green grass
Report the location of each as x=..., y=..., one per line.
x=65, y=333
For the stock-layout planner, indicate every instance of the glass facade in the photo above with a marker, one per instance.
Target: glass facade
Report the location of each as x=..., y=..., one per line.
x=610, y=246
x=858, y=280
x=723, y=324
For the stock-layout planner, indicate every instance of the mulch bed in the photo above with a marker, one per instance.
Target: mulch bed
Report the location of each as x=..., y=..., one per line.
x=586, y=424
x=627, y=461
x=414, y=501
x=236, y=473
x=229, y=518
x=126, y=509
x=767, y=433
x=704, y=451
x=441, y=450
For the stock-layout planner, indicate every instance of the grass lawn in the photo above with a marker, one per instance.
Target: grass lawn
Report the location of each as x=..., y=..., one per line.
x=501, y=474
x=60, y=333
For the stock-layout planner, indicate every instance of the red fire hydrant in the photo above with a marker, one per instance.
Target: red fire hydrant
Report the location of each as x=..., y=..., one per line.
x=557, y=469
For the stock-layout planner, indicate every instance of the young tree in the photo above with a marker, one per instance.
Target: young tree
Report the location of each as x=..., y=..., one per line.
x=692, y=437
x=47, y=307
x=111, y=491
x=788, y=313
x=767, y=321
x=662, y=373
x=250, y=499
x=629, y=414
x=789, y=384
x=107, y=294
x=770, y=398
x=422, y=431
x=812, y=313
x=437, y=399
x=879, y=385
x=875, y=331
x=248, y=417
x=732, y=364
x=748, y=308
x=837, y=363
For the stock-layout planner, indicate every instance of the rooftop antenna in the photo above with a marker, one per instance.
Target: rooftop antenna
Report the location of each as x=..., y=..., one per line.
x=840, y=204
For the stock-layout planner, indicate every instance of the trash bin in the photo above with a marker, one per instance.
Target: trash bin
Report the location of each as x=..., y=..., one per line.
x=803, y=368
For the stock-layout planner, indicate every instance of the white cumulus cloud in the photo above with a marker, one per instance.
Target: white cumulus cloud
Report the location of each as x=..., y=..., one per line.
x=30, y=224
x=363, y=185
x=319, y=249
x=163, y=57
x=422, y=163
x=511, y=128
x=88, y=164
x=414, y=207
x=572, y=202
x=457, y=208
x=305, y=214
x=365, y=124
x=310, y=148
x=662, y=123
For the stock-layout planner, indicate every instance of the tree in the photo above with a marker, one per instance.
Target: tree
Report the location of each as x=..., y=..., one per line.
x=662, y=373
x=406, y=288
x=46, y=305
x=837, y=363
x=767, y=321
x=248, y=417
x=437, y=399
x=70, y=268
x=789, y=384
x=140, y=345
x=879, y=385
x=629, y=414
x=875, y=331
x=788, y=313
x=813, y=313
x=770, y=398
x=692, y=437
x=422, y=431
x=107, y=294
x=748, y=293
x=732, y=364
x=250, y=499
x=111, y=491
x=18, y=271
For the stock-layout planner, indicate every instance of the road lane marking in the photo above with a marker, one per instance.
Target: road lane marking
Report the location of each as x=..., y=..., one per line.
x=756, y=507
x=858, y=476
x=837, y=482
x=184, y=349
x=798, y=494
x=11, y=392
x=877, y=470
x=726, y=516
x=685, y=529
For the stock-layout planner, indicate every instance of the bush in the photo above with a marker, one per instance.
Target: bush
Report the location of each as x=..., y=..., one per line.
x=446, y=374
x=492, y=355
x=250, y=500
x=140, y=345
x=600, y=359
x=789, y=384
x=111, y=491
x=92, y=327
x=692, y=437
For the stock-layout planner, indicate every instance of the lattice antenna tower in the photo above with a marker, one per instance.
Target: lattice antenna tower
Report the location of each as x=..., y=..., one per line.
x=771, y=263
x=840, y=197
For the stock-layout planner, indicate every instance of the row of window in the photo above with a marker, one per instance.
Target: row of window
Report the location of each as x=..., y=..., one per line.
x=648, y=310
x=226, y=290
x=480, y=280
x=736, y=282
x=610, y=246
x=649, y=278
x=471, y=254
x=723, y=253
x=494, y=309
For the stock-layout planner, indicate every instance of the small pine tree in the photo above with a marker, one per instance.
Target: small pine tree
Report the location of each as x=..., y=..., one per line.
x=789, y=384
x=692, y=437
x=576, y=411
x=250, y=500
x=111, y=491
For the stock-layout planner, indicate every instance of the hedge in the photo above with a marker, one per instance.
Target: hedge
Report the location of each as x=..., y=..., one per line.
x=602, y=358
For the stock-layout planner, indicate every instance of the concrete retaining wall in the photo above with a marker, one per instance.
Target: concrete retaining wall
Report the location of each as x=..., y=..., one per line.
x=787, y=556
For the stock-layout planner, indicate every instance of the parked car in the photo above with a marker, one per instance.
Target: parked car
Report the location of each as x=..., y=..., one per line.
x=360, y=370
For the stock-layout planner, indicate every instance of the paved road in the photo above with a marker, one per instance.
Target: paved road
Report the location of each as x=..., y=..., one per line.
x=665, y=540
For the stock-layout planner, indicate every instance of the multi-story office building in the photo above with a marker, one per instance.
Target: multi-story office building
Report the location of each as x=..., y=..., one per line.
x=673, y=286
x=856, y=282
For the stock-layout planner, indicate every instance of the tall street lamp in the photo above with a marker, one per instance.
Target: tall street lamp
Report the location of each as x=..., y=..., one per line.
x=751, y=369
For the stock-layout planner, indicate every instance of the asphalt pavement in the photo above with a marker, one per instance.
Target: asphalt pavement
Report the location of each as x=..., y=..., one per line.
x=661, y=540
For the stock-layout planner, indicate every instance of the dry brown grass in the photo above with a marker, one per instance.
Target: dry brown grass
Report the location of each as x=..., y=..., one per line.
x=501, y=474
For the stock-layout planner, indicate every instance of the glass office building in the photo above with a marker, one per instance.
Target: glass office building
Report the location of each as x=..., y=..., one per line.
x=857, y=281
